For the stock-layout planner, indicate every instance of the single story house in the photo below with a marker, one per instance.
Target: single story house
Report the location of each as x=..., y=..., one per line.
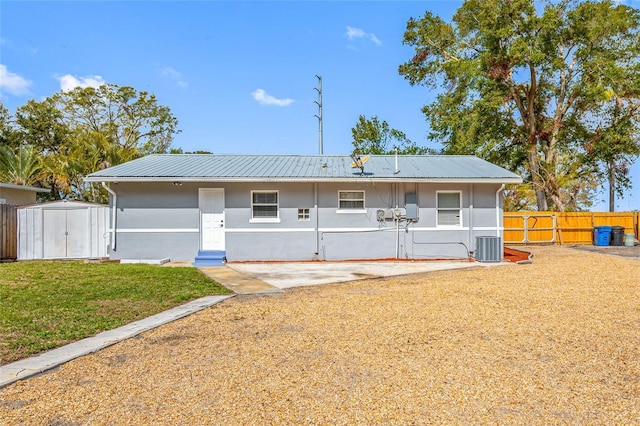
x=18, y=195
x=302, y=207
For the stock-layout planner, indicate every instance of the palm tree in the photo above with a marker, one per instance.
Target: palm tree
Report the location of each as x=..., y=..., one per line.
x=21, y=166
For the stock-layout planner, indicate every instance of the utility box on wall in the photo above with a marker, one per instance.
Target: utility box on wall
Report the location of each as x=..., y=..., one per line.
x=63, y=230
x=411, y=205
x=488, y=249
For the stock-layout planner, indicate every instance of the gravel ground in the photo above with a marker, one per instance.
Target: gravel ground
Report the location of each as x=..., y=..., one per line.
x=552, y=342
x=624, y=251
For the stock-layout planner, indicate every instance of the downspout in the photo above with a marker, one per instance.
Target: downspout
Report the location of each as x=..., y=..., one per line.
x=498, y=209
x=317, y=224
x=395, y=213
x=114, y=210
x=471, y=240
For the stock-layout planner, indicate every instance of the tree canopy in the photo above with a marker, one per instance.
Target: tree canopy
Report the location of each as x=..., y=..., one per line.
x=551, y=93
x=56, y=142
x=372, y=136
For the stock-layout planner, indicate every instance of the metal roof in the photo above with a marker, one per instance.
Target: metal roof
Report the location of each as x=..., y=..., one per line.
x=307, y=168
x=23, y=187
x=62, y=204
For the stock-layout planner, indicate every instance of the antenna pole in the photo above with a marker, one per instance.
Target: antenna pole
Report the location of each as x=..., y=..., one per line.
x=319, y=115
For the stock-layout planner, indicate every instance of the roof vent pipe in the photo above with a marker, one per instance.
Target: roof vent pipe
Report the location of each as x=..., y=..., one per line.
x=397, y=171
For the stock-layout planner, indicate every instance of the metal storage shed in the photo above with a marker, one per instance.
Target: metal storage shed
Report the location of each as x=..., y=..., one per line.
x=63, y=230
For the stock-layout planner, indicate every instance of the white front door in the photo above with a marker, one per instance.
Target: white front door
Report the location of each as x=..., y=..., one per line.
x=211, y=219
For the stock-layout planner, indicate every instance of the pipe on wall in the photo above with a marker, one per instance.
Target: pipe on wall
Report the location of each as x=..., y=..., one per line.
x=317, y=219
x=114, y=210
x=498, y=209
x=471, y=241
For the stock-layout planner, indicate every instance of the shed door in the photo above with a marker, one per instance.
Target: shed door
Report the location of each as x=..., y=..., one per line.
x=78, y=233
x=212, y=219
x=65, y=233
x=54, y=233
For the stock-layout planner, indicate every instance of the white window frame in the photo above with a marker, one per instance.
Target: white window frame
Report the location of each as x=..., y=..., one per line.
x=275, y=219
x=352, y=210
x=304, y=214
x=439, y=209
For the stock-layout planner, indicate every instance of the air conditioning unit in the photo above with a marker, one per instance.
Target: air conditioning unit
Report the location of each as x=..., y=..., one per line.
x=488, y=249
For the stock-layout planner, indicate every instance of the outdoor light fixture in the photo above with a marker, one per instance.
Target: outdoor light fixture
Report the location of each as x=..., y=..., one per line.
x=177, y=184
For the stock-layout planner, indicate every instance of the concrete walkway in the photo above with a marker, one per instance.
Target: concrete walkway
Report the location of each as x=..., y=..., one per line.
x=298, y=274
x=28, y=367
x=238, y=282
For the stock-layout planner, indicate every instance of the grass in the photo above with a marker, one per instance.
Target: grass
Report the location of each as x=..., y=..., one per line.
x=44, y=305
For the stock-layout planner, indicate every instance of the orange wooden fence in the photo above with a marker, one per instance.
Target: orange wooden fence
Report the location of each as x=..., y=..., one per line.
x=563, y=228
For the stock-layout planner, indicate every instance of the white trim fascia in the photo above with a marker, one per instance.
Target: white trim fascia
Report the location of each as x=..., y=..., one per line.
x=23, y=187
x=259, y=230
x=336, y=230
x=441, y=229
x=156, y=230
x=347, y=211
x=156, y=179
x=265, y=220
x=249, y=230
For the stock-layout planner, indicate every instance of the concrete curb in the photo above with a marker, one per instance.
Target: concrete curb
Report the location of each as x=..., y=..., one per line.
x=28, y=367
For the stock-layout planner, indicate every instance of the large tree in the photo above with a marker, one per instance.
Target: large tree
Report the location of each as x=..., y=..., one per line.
x=129, y=118
x=521, y=86
x=372, y=136
x=8, y=134
x=77, y=132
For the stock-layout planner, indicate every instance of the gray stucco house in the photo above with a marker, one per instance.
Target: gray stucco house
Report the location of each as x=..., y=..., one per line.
x=302, y=207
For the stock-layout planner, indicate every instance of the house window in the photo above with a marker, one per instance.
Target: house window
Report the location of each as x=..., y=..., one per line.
x=351, y=200
x=449, y=208
x=303, y=214
x=264, y=205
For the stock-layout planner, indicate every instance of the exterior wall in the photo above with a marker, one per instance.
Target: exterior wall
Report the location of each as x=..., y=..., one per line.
x=161, y=220
x=17, y=197
x=156, y=221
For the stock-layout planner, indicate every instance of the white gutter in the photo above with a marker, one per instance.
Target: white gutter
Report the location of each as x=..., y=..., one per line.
x=397, y=218
x=114, y=210
x=498, y=209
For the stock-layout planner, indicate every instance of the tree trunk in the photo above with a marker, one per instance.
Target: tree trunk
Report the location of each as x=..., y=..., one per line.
x=536, y=178
x=554, y=194
x=612, y=186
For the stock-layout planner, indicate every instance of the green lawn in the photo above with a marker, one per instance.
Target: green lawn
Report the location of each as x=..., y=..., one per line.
x=44, y=305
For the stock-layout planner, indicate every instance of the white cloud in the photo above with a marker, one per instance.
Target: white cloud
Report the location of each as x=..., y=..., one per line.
x=354, y=33
x=264, y=99
x=13, y=83
x=174, y=75
x=69, y=82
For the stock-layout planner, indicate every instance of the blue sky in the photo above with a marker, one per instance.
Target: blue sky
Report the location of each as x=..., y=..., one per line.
x=240, y=76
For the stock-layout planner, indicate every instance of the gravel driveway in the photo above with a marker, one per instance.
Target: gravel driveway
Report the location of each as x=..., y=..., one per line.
x=552, y=342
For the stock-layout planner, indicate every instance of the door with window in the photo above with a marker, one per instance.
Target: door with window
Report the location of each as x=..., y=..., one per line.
x=212, y=219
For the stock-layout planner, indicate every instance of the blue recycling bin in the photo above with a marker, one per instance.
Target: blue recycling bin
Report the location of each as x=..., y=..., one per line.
x=601, y=235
